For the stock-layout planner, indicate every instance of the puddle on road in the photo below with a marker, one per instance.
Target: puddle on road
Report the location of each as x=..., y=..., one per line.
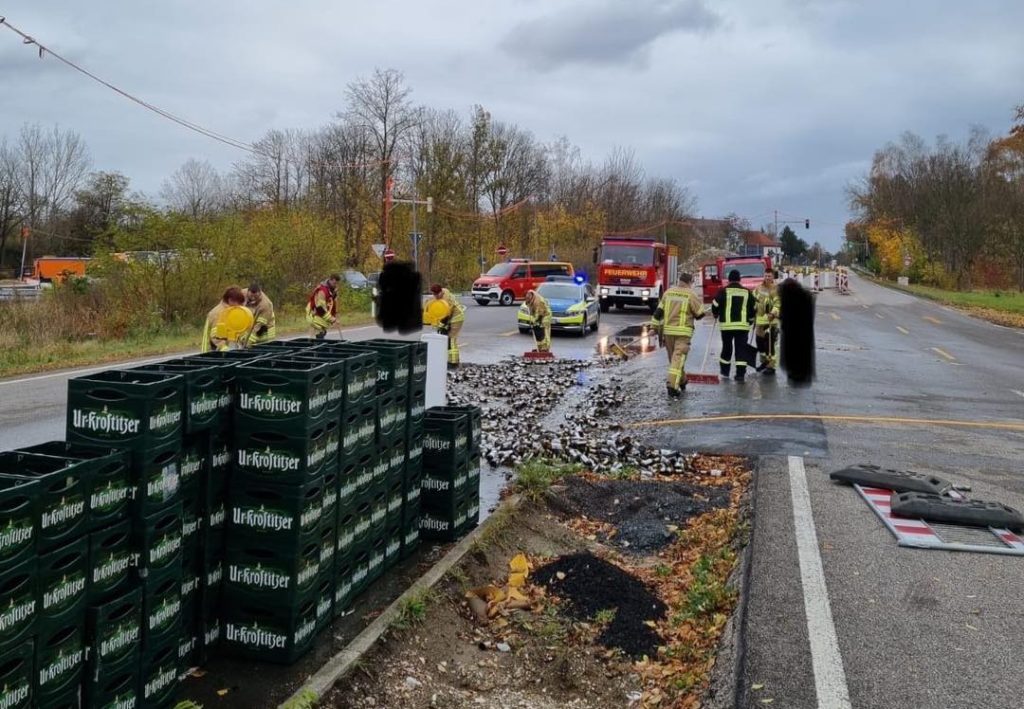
x=635, y=339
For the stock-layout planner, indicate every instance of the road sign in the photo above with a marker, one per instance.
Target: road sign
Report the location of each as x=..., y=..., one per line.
x=502, y=251
x=389, y=254
x=906, y=262
x=378, y=249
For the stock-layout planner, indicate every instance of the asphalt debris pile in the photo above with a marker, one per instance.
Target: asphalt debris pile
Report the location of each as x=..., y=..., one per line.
x=514, y=397
x=588, y=585
x=646, y=515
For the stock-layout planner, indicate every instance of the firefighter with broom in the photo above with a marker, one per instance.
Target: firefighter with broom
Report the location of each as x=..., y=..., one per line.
x=540, y=314
x=673, y=321
x=733, y=307
x=766, y=325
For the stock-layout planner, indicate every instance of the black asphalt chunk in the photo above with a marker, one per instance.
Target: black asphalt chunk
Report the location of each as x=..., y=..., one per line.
x=641, y=511
x=591, y=585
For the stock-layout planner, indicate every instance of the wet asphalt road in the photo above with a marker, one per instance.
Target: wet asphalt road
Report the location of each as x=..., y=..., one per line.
x=914, y=628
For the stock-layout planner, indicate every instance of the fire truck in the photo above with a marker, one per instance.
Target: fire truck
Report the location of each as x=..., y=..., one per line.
x=634, y=271
x=714, y=276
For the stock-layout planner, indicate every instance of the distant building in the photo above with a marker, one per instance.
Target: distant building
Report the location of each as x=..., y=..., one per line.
x=757, y=243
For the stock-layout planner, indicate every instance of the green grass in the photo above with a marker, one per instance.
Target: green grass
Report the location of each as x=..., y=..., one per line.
x=605, y=616
x=28, y=359
x=536, y=475
x=1006, y=301
x=414, y=609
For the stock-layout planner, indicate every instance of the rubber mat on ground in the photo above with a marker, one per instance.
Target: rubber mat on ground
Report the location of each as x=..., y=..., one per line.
x=919, y=534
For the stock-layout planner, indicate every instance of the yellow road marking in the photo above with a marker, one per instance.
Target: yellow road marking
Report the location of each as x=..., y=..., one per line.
x=930, y=319
x=1004, y=425
x=835, y=316
x=904, y=330
x=943, y=353
x=879, y=316
x=509, y=334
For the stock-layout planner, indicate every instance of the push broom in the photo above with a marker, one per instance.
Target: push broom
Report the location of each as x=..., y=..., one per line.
x=702, y=377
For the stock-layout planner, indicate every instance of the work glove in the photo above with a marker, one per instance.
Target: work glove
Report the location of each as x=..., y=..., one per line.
x=261, y=331
x=320, y=311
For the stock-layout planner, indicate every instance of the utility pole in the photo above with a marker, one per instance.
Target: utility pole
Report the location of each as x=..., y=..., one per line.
x=25, y=231
x=429, y=202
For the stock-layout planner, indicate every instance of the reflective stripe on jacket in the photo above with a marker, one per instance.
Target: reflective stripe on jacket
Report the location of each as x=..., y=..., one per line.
x=539, y=309
x=457, y=311
x=676, y=312
x=767, y=304
x=734, y=308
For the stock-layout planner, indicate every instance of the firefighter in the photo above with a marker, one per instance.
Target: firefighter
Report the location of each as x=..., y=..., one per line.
x=264, y=327
x=451, y=325
x=322, y=308
x=540, y=312
x=734, y=309
x=673, y=320
x=212, y=339
x=766, y=330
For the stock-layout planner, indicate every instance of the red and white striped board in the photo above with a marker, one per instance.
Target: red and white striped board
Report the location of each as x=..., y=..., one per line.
x=919, y=534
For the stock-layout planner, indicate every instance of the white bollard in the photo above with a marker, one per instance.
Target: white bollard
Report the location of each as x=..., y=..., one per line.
x=437, y=369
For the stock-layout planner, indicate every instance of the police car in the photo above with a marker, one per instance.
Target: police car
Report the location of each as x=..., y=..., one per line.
x=574, y=306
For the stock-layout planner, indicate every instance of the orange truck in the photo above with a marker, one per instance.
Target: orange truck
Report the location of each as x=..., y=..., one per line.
x=714, y=275
x=58, y=268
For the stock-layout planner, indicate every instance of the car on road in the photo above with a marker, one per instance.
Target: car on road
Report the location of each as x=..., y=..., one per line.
x=574, y=306
x=355, y=279
x=508, y=282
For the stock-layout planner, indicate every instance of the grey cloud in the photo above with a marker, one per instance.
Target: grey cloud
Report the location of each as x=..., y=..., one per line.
x=613, y=32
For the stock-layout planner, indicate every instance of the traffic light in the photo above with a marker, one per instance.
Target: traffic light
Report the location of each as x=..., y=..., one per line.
x=807, y=223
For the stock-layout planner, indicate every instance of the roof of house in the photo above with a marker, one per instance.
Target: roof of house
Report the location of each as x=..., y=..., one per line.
x=758, y=238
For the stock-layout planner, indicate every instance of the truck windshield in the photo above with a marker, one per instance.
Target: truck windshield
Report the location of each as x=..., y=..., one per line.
x=626, y=253
x=500, y=269
x=747, y=270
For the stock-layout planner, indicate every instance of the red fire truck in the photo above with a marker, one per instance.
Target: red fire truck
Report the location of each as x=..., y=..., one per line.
x=715, y=275
x=634, y=271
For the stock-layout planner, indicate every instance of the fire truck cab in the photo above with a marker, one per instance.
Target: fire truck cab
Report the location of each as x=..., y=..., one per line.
x=633, y=271
x=714, y=275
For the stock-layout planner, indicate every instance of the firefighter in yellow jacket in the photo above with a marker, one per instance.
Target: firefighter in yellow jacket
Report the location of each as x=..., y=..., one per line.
x=322, y=307
x=213, y=339
x=766, y=324
x=451, y=324
x=673, y=319
x=264, y=328
x=540, y=313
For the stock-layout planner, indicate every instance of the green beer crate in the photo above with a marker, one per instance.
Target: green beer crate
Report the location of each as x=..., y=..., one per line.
x=440, y=527
x=445, y=439
x=410, y=536
x=295, y=343
x=279, y=516
x=19, y=605
x=118, y=688
x=191, y=597
x=476, y=430
x=348, y=486
x=328, y=549
x=412, y=493
x=68, y=699
x=192, y=536
x=267, y=633
x=358, y=431
x=442, y=490
x=286, y=395
x=475, y=466
x=194, y=464
x=211, y=586
x=190, y=649
x=329, y=505
x=375, y=563
x=157, y=474
x=357, y=474
x=266, y=575
x=346, y=532
x=390, y=369
x=112, y=488
x=62, y=584
x=324, y=602
x=395, y=455
x=412, y=355
x=381, y=470
x=360, y=372
x=17, y=676
x=128, y=409
x=343, y=594
x=207, y=394
x=361, y=524
x=417, y=403
x=19, y=520
x=112, y=558
x=158, y=675
x=472, y=513
x=210, y=636
x=161, y=610
x=158, y=538
x=215, y=487
x=287, y=458
x=60, y=661
x=391, y=417
x=333, y=367
x=395, y=500
x=378, y=511
x=393, y=545
x=360, y=571
x=113, y=632
x=64, y=485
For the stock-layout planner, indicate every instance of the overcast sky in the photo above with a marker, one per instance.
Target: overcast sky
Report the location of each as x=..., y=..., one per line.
x=755, y=105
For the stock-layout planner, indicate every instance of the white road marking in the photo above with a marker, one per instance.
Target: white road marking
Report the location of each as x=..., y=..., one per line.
x=122, y=363
x=904, y=330
x=879, y=316
x=826, y=661
x=943, y=353
x=1018, y=392
x=932, y=320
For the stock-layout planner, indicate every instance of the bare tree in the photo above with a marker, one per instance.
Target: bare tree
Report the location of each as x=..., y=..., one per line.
x=620, y=194
x=380, y=105
x=195, y=189
x=10, y=194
